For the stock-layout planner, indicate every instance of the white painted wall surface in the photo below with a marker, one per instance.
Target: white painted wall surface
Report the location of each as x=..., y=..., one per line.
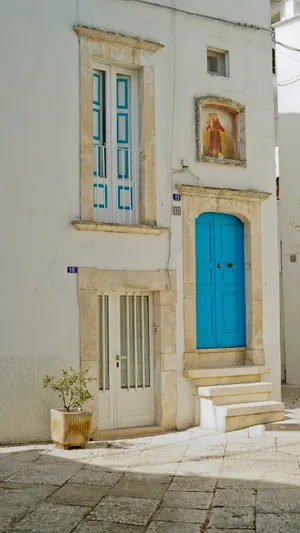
x=39, y=312
x=288, y=66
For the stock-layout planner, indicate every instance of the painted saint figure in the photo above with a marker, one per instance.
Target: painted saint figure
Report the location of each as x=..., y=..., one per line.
x=214, y=128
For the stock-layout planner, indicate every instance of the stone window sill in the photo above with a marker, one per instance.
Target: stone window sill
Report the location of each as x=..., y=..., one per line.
x=119, y=228
x=226, y=162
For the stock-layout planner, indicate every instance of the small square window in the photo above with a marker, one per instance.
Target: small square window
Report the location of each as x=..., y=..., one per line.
x=217, y=62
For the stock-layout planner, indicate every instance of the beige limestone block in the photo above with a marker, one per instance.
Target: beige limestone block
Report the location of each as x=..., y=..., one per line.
x=166, y=298
x=168, y=328
x=227, y=380
x=93, y=387
x=86, y=190
x=189, y=325
x=96, y=279
x=170, y=362
x=255, y=357
x=89, y=334
x=239, y=422
x=169, y=399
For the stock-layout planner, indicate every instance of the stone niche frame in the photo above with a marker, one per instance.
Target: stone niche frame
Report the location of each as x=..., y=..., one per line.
x=245, y=205
x=93, y=282
x=238, y=113
x=131, y=53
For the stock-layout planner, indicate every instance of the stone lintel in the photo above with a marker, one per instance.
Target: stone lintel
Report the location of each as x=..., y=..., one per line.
x=248, y=195
x=111, y=37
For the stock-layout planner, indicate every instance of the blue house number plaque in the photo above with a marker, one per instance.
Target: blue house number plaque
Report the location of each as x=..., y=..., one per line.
x=72, y=270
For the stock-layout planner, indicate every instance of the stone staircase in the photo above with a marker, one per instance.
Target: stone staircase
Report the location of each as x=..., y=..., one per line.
x=234, y=397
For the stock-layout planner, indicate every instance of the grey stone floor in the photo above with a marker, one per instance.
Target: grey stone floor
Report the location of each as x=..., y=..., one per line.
x=193, y=481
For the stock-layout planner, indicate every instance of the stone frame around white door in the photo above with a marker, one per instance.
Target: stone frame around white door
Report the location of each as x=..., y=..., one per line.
x=163, y=285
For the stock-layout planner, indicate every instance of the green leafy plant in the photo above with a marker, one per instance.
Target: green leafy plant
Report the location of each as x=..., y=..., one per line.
x=71, y=388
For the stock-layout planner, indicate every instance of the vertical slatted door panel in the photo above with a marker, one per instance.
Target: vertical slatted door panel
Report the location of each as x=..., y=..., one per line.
x=101, y=190
x=136, y=395
x=125, y=155
x=106, y=411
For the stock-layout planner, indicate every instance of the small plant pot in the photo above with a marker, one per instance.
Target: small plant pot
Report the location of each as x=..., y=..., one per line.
x=70, y=429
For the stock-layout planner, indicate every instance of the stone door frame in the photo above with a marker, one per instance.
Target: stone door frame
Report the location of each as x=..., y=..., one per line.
x=92, y=282
x=246, y=205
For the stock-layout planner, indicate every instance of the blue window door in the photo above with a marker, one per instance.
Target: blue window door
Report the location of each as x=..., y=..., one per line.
x=220, y=281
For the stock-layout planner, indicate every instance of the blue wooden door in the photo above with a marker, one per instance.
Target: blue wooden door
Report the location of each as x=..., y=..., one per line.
x=220, y=281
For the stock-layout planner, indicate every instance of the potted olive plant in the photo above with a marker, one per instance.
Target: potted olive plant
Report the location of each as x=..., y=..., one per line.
x=71, y=425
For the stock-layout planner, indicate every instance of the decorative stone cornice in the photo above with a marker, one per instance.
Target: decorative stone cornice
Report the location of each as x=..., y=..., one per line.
x=214, y=100
x=226, y=194
x=113, y=38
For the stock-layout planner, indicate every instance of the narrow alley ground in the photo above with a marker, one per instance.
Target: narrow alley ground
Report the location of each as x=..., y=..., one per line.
x=187, y=482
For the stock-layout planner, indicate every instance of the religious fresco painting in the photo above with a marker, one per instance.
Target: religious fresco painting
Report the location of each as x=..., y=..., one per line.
x=217, y=133
x=220, y=130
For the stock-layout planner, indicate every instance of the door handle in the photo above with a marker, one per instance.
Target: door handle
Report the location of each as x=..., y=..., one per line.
x=230, y=265
x=219, y=265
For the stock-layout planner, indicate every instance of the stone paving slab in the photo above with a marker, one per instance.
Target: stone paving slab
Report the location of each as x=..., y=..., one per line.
x=50, y=518
x=24, y=494
x=114, y=461
x=230, y=530
x=147, y=477
x=170, y=527
x=232, y=517
x=108, y=527
x=10, y=514
x=193, y=484
x=134, y=511
x=203, y=467
x=187, y=500
x=285, y=500
x=93, y=475
x=41, y=473
x=234, y=498
x=199, y=450
x=272, y=523
x=168, y=469
x=79, y=494
x=139, y=489
x=189, y=516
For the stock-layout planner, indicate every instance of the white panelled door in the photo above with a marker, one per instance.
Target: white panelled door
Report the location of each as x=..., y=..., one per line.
x=126, y=369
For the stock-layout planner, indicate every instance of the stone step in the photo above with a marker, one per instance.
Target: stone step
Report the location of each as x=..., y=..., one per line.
x=236, y=393
x=227, y=375
x=215, y=357
x=238, y=416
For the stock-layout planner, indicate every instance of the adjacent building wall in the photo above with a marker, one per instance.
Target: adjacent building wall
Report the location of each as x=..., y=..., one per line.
x=288, y=62
x=40, y=185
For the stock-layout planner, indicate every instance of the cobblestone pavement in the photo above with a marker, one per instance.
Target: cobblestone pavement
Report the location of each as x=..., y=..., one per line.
x=193, y=481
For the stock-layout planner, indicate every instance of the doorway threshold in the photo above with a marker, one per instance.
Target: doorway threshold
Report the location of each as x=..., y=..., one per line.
x=122, y=433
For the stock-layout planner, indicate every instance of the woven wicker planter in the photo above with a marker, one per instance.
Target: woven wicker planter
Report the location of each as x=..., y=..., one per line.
x=70, y=429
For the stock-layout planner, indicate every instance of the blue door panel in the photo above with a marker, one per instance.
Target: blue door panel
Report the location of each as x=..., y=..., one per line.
x=220, y=281
x=205, y=281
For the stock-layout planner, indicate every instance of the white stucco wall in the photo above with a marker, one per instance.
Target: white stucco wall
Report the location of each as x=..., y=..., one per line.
x=39, y=312
x=288, y=134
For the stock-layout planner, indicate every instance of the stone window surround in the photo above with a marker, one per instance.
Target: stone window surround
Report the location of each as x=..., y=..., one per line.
x=91, y=283
x=238, y=113
x=246, y=205
x=131, y=53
